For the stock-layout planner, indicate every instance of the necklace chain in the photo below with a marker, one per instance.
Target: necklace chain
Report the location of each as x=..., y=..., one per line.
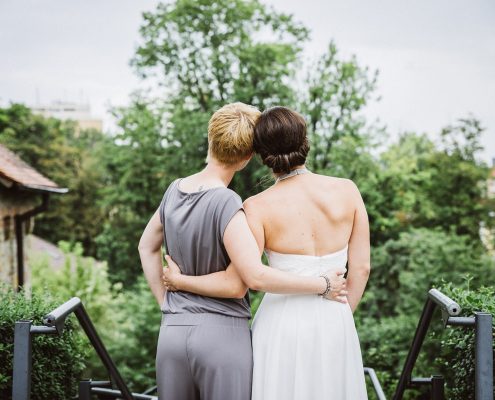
x=292, y=173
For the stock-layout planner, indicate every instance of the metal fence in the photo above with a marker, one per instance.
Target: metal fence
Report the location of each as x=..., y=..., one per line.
x=481, y=323
x=53, y=324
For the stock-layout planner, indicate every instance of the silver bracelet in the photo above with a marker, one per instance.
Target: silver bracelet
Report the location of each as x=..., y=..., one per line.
x=329, y=286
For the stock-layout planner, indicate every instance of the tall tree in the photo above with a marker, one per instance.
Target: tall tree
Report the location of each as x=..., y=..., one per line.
x=208, y=53
x=337, y=91
x=53, y=147
x=139, y=164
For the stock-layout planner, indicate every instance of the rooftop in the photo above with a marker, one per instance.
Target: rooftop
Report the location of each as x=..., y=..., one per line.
x=14, y=171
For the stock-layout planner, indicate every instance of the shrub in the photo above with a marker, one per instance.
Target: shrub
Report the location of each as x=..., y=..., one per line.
x=57, y=360
x=403, y=271
x=457, y=355
x=128, y=321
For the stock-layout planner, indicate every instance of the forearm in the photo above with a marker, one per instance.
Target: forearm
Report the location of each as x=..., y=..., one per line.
x=151, y=262
x=219, y=284
x=272, y=280
x=357, y=279
x=263, y=278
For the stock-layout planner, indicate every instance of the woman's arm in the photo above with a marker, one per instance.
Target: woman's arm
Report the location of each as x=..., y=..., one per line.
x=359, y=253
x=244, y=250
x=151, y=257
x=223, y=284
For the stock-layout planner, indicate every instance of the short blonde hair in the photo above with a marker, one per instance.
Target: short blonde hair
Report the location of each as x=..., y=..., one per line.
x=231, y=132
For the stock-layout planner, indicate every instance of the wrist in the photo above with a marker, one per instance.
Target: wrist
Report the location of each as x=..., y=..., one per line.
x=179, y=282
x=322, y=285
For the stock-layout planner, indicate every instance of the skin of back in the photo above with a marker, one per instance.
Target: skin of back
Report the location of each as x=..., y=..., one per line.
x=310, y=215
x=315, y=215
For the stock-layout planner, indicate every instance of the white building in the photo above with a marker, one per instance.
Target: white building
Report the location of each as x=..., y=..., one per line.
x=80, y=113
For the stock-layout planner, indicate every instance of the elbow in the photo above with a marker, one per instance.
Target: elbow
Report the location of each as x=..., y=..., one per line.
x=255, y=283
x=239, y=292
x=364, y=270
x=147, y=250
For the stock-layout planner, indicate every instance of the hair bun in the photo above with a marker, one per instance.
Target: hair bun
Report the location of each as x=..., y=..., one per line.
x=279, y=163
x=280, y=139
x=283, y=163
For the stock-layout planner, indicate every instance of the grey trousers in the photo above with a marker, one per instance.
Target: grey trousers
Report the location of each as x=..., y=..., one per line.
x=204, y=357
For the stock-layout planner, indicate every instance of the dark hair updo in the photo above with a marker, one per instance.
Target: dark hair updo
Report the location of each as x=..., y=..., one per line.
x=280, y=139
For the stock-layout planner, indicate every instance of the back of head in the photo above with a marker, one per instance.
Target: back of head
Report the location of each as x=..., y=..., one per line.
x=280, y=139
x=230, y=133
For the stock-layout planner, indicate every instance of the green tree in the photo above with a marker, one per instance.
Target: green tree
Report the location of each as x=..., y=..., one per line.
x=139, y=165
x=208, y=53
x=336, y=92
x=70, y=158
x=457, y=187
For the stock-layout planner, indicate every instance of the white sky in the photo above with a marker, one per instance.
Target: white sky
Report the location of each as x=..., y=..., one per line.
x=436, y=58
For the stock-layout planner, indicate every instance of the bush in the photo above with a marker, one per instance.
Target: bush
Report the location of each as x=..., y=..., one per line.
x=457, y=355
x=57, y=360
x=127, y=321
x=404, y=269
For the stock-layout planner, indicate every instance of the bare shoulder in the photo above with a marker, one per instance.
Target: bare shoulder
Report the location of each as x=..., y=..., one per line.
x=254, y=204
x=337, y=183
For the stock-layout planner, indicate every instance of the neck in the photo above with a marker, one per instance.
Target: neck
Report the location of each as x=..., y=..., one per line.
x=216, y=171
x=302, y=166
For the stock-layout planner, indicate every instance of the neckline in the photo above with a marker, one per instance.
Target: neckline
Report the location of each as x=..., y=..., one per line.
x=196, y=192
x=309, y=255
x=294, y=172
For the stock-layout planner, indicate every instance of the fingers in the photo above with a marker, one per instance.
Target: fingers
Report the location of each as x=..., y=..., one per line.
x=171, y=264
x=170, y=288
x=341, y=299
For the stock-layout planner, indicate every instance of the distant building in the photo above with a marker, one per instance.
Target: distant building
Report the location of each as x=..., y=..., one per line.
x=80, y=113
x=24, y=193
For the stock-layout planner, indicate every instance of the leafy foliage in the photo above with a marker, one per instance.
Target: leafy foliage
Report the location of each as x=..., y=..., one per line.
x=457, y=356
x=404, y=270
x=426, y=199
x=58, y=361
x=127, y=321
x=70, y=158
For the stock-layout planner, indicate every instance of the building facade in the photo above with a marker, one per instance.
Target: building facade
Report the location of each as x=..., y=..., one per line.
x=80, y=113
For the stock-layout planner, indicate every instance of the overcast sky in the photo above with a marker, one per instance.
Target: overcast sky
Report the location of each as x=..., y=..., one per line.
x=436, y=58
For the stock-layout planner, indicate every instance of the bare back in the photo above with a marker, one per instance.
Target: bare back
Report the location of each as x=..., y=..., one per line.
x=307, y=214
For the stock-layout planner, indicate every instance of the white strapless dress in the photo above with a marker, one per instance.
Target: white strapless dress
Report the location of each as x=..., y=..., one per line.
x=304, y=346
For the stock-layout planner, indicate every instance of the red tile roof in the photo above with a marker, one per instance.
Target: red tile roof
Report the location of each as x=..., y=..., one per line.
x=13, y=169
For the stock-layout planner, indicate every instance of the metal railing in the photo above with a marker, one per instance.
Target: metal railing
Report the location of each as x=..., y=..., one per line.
x=482, y=324
x=53, y=324
x=375, y=382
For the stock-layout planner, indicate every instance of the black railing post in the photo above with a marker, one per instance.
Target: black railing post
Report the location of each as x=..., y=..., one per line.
x=483, y=356
x=419, y=336
x=102, y=352
x=85, y=390
x=437, y=387
x=21, y=385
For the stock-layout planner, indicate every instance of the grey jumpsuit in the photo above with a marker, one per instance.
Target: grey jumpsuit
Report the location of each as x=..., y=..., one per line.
x=204, y=348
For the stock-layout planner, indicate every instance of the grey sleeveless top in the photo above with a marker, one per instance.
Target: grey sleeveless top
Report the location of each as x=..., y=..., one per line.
x=193, y=227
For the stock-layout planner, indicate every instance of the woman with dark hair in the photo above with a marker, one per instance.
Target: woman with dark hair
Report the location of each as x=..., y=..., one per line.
x=304, y=347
